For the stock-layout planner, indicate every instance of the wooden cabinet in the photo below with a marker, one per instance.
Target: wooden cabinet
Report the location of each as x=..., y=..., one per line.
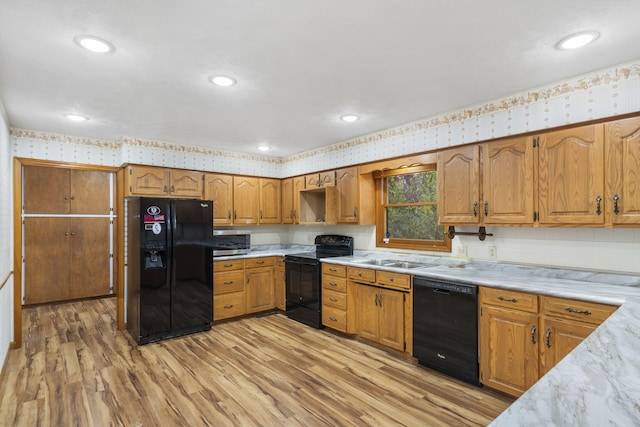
x=53, y=190
x=508, y=340
x=270, y=201
x=322, y=179
x=67, y=233
x=162, y=182
x=336, y=298
x=318, y=206
x=523, y=336
x=564, y=323
x=459, y=185
x=571, y=176
x=291, y=188
x=228, y=289
x=259, y=290
x=66, y=258
x=279, y=283
x=622, y=157
x=507, y=181
x=219, y=188
x=355, y=197
x=246, y=200
x=382, y=315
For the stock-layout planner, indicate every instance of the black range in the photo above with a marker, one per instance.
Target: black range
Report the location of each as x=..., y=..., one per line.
x=303, y=278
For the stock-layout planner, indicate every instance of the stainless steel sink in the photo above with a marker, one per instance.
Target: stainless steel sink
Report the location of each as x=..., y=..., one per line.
x=407, y=264
x=373, y=261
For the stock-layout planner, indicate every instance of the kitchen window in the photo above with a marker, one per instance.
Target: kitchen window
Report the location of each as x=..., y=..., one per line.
x=407, y=212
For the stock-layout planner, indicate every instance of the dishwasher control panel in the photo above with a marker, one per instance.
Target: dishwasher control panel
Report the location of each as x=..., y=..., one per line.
x=447, y=286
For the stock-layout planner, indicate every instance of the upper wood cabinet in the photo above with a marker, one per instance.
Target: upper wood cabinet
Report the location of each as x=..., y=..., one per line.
x=622, y=156
x=291, y=198
x=53, y=190
x=162, y=182
x=246, y=200
x=348, y=203
x=507, y=181
x=459, y=185
x=322, y=179
x=571, y=176
x=219, y=188
x=270, y=201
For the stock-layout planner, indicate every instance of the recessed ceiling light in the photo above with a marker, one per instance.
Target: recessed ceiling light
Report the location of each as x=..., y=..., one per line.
x=76, y=117
x=94, y=44
x=577, y=40
x=349, y=118
x=264, y=148
x=222, y=80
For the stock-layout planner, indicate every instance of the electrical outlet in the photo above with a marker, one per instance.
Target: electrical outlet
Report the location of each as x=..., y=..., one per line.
x=461, y=251
x=493, y=252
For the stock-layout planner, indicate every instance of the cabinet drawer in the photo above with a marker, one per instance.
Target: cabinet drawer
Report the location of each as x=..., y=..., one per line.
x=361, y=274
x=589, y=312
x=510, y=299
x=334, y=318
x=334, y=283
x=228, y=282
x=258, y=262
x=228, y=305
x=334, y=299
x=230, y=264
x=334, y=269
x=394, y=280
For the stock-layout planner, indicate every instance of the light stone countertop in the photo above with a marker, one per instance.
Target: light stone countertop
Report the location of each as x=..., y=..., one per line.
x=597, y=384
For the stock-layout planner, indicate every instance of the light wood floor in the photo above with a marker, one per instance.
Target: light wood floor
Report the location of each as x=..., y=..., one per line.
x=76, y=369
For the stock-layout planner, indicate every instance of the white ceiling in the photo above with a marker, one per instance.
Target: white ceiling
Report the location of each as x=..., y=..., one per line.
x=300, y=64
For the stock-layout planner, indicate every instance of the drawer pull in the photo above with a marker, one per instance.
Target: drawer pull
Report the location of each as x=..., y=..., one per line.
x=333, y=319
x=573, y=310
x=333, y=284
x=228, y=265
x=228, y=283
x=259, y=262
x=501, y=298
x=333, y=299
x=548, y=337
x=360, y=274
x=333, y=270
x=391, y=279
x=228, y=306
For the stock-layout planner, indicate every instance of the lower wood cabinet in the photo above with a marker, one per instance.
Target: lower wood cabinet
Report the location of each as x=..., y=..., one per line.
x=279, y=284
x=66, y=258
x=381, y=316
x=523, y=335
x=228, y=289
x=259, y=290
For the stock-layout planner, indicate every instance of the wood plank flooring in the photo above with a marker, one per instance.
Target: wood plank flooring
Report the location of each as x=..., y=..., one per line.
x=76, y=369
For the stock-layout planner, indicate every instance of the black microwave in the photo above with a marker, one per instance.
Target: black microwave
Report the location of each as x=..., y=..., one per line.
x=231, y=242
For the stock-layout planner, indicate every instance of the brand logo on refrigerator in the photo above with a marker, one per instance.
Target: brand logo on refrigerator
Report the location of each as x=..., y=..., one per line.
x=153, y=210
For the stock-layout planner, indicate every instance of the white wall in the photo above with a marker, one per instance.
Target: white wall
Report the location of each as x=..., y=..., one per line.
x=6, y=242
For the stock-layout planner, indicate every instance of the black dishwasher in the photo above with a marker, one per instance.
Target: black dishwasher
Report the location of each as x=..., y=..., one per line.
x=445, y=327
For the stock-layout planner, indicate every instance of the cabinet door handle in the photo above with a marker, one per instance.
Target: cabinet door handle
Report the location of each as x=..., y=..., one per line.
x=66, y=197
x=235, y=214
x=616, y=210
x=573, y=310
x=173, y=189
x=380, y=299
x=533, y=334
x=260, y=214
x=598, y=200
x=73, y=234
x=486, y=208
x=376, y=300
x=475, y=208
x=501, y=298
x=229, y=213
x=228, y=306
x=165, y=189
x=66, y=233
x=547, y=336
x=355, y=212
x=71, y=198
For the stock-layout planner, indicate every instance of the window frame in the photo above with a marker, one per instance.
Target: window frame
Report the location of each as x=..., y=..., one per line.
x=381, y=214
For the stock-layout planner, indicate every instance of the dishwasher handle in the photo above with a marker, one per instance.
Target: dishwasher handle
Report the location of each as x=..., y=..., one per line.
x=444, y=286
x=441, y=291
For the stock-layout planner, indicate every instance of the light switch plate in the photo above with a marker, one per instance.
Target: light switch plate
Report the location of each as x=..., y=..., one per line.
x=493, y=252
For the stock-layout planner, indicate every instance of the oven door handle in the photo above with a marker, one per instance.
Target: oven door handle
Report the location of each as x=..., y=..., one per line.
x=301, y=262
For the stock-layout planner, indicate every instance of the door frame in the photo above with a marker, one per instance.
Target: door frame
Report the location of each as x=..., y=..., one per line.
x=17, y=237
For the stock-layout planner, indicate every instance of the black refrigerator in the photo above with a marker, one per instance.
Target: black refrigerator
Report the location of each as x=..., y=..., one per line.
x=170, y=267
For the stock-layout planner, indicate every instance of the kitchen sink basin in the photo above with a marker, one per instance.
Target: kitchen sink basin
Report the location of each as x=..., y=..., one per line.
x=407, y=264
x=385, y=262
